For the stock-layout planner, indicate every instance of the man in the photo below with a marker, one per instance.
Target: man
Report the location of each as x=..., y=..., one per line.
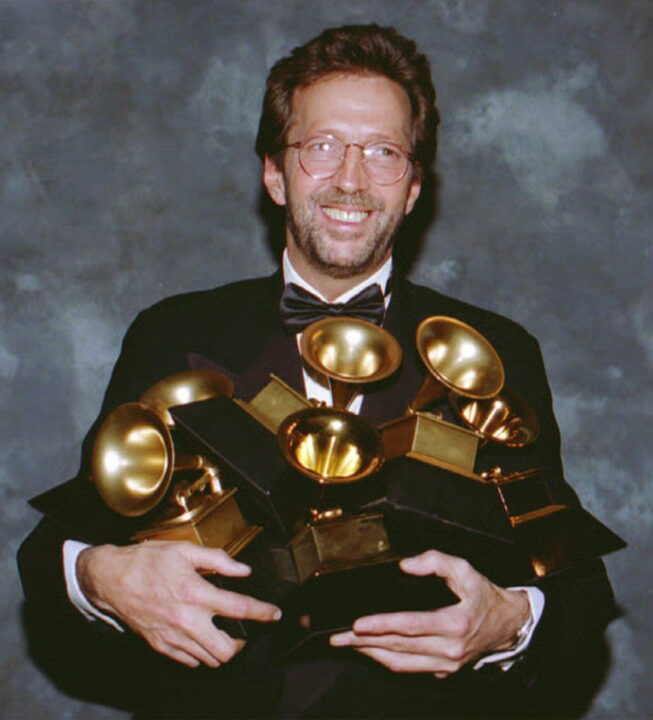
x=347, y=132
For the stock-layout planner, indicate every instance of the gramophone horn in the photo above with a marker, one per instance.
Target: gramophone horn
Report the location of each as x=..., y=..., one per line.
x=183, y=388
x=330, y=446
x=458, y=358
x=134, y=458
x=505, y=419
x=350, y=352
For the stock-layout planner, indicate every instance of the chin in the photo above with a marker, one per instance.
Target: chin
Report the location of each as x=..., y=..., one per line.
x=342, y=267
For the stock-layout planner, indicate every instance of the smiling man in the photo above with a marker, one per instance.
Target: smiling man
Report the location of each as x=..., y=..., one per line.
x=347, y=132
x=348, y=181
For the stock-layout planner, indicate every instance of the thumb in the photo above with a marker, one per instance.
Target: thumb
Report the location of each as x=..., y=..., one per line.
x=214, y=559
x=433, y=562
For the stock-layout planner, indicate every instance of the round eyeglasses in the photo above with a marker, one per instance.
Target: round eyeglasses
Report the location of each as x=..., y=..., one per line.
x=321, y=156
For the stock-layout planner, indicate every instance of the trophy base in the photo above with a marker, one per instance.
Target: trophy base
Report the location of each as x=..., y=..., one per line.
x=274, y=403
x=554, y=537
x=344, y=568
x=337, y=544
x=214, y=521
x=563, y=537
x=330, y=603
x=426, y=437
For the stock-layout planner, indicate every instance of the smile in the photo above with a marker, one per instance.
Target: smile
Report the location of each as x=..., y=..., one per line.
x=348, y=216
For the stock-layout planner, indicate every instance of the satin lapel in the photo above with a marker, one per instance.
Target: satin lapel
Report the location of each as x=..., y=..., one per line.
x=275, y=352
x=389, y=399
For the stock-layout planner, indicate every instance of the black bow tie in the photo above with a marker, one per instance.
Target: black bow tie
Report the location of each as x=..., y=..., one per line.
x=300, y=308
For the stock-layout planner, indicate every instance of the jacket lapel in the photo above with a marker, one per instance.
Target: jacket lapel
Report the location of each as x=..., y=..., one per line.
x=389, y=399
x=272, y=351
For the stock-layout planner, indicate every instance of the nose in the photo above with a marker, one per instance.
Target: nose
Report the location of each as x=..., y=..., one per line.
x=351, y=175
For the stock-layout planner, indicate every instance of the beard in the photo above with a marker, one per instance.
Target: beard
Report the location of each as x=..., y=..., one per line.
x=323, y=248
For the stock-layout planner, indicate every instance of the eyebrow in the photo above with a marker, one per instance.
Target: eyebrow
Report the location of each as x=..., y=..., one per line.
x=380, y=136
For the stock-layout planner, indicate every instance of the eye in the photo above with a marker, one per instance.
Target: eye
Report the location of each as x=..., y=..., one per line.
x=321, y=146
x=385, y=152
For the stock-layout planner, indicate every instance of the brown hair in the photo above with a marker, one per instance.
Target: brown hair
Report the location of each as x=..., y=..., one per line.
x=359, y=49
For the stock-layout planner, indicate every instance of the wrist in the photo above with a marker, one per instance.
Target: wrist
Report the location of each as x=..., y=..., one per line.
x=86, y=570
x=519, y=619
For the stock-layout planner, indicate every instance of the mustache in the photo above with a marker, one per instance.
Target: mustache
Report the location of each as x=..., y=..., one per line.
x=357, y=199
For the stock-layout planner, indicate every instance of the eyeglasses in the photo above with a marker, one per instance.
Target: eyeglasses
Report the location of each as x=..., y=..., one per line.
x=321, y=156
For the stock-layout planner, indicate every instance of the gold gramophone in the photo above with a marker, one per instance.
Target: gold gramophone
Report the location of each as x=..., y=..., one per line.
x=335, y=448
x=134, y=460
x=459, y=359
x=505, y=419
x=350, y=353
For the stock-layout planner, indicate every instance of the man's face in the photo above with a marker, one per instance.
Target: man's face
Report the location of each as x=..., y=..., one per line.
x=343, y=226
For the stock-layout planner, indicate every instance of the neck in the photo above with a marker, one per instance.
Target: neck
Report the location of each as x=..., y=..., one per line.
x=328, y=286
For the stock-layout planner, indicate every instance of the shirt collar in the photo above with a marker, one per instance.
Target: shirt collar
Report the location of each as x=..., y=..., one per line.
x=380, y=277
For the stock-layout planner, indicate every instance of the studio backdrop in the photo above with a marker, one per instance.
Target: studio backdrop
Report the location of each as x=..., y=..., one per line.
x=127, y=173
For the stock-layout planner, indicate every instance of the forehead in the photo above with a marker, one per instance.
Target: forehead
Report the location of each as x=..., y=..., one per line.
x=355, y=106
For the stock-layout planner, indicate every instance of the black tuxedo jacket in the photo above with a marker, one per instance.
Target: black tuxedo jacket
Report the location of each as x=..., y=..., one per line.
x=237, y=329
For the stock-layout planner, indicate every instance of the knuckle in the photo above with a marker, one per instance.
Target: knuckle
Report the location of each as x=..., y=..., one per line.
x=192, y=593
x=460, y=626
x=455, y=652
x=176, y=616
x=228, y=650
x=157, y=643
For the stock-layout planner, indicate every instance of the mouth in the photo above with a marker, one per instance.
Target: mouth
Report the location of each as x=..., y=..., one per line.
x=346, y=216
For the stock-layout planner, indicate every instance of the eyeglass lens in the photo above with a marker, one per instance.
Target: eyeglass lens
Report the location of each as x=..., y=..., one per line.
x=384, y=162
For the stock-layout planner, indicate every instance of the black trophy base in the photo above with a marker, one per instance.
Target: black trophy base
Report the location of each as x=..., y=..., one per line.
x=330, y=603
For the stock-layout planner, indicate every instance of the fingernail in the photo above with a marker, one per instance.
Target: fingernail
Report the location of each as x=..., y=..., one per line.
x=409, y=563
x=277, y=615
x=339, y=640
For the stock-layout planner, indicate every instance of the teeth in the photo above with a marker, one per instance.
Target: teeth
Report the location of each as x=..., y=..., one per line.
x=354, y=216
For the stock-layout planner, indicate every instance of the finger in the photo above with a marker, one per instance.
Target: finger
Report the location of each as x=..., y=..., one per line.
x=434, y=562
x=242, y=607
x=422, y=645
x=201, y=640
x=217, y=648
x=407, y=663
x=180, y=656
x=444, y=621
x=212, y=657
x=214, y=559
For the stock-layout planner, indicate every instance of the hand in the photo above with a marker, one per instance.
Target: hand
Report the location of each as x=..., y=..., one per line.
x=441, y=641
x=155, y=589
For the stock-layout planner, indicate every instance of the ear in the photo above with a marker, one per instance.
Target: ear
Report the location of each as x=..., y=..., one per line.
x=413, y=193
x=274, y=181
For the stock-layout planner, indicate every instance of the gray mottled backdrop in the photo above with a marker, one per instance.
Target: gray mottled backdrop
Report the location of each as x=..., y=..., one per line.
x=127, y=173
